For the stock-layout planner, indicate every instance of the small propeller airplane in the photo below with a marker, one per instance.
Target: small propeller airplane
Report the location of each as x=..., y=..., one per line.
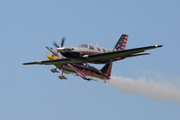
x=76, y=59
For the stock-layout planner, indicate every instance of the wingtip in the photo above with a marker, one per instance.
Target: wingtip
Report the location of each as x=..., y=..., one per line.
x=25, y=63
x=158, y=45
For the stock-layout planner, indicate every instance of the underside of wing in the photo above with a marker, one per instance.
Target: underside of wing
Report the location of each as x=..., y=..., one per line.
x=79, y=72
x=108, y=57
x=52, y=62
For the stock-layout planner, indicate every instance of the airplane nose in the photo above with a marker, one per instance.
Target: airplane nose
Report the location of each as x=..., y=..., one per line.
x=64, y=49
x=61, y=49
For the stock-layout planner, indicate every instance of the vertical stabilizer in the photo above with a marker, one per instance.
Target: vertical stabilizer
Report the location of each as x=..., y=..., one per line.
x=121, y=44
x=107, y=69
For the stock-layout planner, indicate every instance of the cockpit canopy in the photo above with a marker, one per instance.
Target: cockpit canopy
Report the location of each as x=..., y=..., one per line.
x=83, y=45
x=97, y=48
x=91, y=47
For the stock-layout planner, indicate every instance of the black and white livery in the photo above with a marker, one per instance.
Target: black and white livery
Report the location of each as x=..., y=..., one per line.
x=77, y=58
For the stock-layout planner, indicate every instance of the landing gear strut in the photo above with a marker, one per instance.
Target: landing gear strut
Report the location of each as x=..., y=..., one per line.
x=54, y=70
x=62, y=76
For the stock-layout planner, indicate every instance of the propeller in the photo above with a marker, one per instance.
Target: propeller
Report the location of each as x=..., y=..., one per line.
x=56, y=45
x=62, y=49
x=62, y=43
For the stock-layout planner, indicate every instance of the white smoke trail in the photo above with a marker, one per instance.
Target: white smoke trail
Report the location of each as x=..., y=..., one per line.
x=152, y=90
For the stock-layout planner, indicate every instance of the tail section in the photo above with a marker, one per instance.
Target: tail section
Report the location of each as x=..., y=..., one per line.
x=121, y=44
x=107, y=69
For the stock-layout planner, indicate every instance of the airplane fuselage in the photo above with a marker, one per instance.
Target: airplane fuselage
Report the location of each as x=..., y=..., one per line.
x=82, y=51
x=87, y=69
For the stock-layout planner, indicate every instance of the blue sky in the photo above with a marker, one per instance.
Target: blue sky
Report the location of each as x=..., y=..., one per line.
x=33, y=92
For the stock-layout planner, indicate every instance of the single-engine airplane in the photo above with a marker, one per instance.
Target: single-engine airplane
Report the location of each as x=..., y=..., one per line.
x=76, y=59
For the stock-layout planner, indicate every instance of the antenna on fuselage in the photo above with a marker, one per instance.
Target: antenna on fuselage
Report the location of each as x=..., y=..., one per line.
x=97, y=44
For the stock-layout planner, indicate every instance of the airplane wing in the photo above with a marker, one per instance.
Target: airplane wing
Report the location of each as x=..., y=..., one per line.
x=52, y=62
x=79, y=72
x=103, y=57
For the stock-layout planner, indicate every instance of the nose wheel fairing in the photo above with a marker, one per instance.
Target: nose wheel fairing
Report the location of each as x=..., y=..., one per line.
x=62, y=77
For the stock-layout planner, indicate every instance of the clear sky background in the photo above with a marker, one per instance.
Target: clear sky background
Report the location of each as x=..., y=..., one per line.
x=34, y=93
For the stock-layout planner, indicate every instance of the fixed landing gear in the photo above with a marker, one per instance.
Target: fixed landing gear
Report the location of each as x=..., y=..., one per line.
x=54, y=70
x=62, y=76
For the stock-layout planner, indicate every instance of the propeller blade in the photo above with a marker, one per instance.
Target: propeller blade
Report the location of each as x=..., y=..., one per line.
x=62, y=42
x=47, y=54
x=55, y=44
x=48, y=67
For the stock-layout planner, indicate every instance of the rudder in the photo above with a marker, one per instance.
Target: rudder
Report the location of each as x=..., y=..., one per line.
x=107, y=69
x=121, y=44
